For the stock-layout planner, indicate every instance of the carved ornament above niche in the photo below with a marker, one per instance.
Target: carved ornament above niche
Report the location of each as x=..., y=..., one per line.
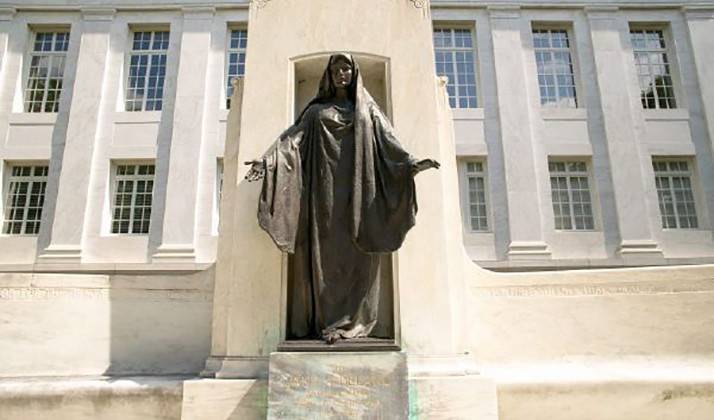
x=259, y=3
x=419, y=4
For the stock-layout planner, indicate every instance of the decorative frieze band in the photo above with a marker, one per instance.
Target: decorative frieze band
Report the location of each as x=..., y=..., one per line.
x=574, y=290
x=259, y=3
x=56, y=293
x=420, y=4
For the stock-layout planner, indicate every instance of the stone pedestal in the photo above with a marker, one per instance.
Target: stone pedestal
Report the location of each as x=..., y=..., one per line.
x=338, y=385
x=384, y=385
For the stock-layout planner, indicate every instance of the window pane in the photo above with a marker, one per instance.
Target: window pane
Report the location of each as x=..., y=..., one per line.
x=675, y=195
x=554, y=68
x=455, y=58
x=24, y=200
x=45, y=76
x=133, y=189
x=476, y=183
x=653, y=68
x=570, y=193
x=235, y=59
x=147, y=71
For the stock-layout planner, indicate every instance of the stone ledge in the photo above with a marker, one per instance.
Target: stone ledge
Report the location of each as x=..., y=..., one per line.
x=606, y=390
x=573, y=371
x=128, y=398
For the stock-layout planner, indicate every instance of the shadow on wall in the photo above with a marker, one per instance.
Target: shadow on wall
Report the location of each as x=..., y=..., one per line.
x=160, y=323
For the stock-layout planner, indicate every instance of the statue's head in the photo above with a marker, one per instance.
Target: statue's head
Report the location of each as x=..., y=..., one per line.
x=341, y=70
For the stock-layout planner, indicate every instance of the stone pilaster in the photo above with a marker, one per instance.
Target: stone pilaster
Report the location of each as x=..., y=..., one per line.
x=74, y=138
x=12, y=37
x=179, y=224
x=517, y=139
x=619, y=106
x=700, y=23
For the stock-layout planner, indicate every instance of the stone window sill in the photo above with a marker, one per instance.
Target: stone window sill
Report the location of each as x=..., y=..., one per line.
x=32, y=118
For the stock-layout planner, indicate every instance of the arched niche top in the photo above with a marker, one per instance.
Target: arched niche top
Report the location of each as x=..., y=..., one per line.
x=308, y=69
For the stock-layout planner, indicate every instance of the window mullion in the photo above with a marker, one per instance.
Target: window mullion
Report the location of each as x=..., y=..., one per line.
x=46, y=90
x=653, y=74
x=26, y=208
x=571, y=210
x=672, y=193
x=551, y=52
x=132, y=202
x=457, y=95
x=145, y=81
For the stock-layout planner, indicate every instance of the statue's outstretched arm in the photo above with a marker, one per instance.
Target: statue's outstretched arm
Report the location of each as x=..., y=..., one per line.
x=258, y=166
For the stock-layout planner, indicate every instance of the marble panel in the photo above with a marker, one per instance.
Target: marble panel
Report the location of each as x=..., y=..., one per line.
x=338, y=385
x=29, y=136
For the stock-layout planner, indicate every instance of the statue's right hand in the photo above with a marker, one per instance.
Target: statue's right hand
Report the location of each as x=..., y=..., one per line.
x=256, y=171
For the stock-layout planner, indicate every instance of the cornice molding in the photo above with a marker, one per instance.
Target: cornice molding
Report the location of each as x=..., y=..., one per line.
x=7, y=13
x=698, y=12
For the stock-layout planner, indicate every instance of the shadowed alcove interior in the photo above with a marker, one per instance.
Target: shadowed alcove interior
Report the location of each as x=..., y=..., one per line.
x=306, y=74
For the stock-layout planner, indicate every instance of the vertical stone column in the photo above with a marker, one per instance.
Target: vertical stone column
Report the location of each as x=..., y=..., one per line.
x=7, y=74
x=6, y=16
x=700, y=22
x=619, y=105
x=12, y=42
x=74, y=139
x=179, y=224
x=517, y=139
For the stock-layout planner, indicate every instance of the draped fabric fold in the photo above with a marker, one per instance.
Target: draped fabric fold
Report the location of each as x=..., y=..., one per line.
x=338, y=191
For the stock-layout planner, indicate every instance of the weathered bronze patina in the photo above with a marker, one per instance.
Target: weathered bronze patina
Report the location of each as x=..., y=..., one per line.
x=338, y=190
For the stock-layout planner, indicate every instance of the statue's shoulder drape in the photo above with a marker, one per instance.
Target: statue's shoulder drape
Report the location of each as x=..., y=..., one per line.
x=384, y=197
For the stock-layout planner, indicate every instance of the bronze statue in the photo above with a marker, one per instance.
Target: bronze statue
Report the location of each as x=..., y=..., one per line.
x=338, y=190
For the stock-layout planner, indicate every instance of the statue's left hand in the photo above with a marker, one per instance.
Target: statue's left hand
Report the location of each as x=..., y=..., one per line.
x=256, y=171
x=423, y=165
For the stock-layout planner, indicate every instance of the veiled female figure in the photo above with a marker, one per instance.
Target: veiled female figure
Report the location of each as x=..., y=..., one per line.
x=338, y=191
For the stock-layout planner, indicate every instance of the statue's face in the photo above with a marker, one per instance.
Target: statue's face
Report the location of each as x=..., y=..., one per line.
x=341, y=72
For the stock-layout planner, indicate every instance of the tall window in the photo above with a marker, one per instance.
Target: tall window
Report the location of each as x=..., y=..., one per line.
x=476, y=184
x=46, y=73
x=653, y=68
x=555, y=68
x=237, y=44
x=133, y=189
x=147, y=71
x=454, y=56
x=24, y=200
x=673, y=179
x=570, y=191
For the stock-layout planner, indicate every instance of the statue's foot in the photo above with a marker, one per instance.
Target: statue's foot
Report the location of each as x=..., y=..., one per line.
x=331, y=337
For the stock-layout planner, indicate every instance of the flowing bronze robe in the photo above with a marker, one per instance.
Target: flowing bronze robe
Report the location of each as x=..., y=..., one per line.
x=337, y=192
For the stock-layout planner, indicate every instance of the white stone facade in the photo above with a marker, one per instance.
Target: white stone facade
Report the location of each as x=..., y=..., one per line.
x=509, y=132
